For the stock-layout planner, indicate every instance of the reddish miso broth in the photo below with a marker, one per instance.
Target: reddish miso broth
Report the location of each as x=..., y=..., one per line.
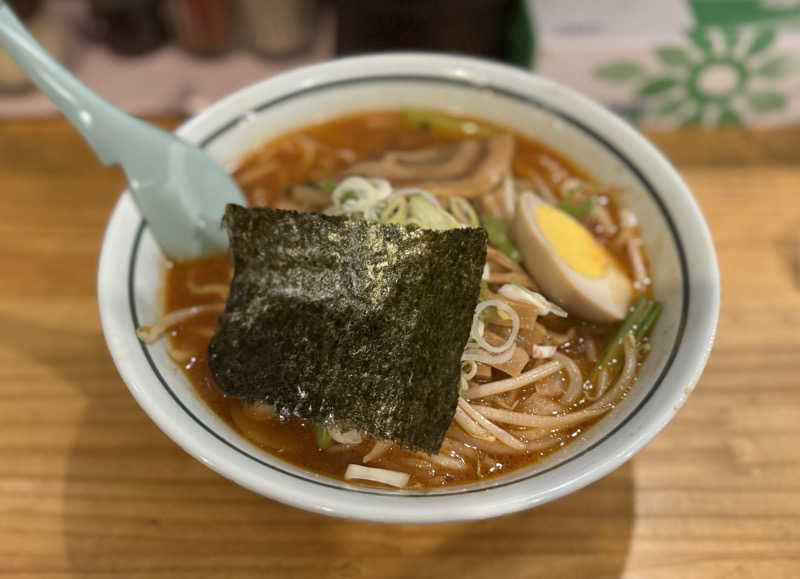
x=277, y=175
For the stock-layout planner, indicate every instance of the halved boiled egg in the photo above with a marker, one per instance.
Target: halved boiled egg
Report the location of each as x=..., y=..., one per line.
x=571, y=267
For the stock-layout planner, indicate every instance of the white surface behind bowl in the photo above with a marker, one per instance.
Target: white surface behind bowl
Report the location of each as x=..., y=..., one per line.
x=679, y=246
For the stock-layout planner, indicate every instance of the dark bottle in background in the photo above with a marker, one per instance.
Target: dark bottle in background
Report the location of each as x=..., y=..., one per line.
x=24, y=9
x=465, y=26
x=278, y=27
x=129, y=27
x=204, y=27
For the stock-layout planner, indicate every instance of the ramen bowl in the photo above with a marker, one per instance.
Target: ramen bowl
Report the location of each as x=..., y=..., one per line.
x=682, y=258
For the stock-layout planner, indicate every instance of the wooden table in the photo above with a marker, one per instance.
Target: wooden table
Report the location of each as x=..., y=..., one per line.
x=90, y=487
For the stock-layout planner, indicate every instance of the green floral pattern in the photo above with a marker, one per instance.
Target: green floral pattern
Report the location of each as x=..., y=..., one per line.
x=720, y=75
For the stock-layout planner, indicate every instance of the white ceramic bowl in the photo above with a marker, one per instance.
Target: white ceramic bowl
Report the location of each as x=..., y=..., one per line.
x=677, y=239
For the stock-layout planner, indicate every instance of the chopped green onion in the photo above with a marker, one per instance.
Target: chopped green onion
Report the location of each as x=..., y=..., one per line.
x=520, y=293
x=614, y=348
x=640, y=321
x=395, y=212
x=579, y=210
x=440, y=122
x=322, y=436
x=498, y=236
x=485, y=315
x=649, y=321
x=348, y=196
x=463, y=211
x=484, y=294
x=328, y=186
x=431, y=216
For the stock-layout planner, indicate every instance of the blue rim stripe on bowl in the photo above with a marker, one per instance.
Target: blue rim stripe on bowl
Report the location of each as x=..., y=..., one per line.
x=647, y=186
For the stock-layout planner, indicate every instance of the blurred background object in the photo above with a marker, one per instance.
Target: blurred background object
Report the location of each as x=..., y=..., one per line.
x=46, y=30
x=129, y=27
x=278, y=27
x=477, y=27
x=204, y=27
x=659, y=63
x=170, y=58
x=674, y=63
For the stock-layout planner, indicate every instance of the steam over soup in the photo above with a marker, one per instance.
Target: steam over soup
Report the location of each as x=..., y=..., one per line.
x=554, y=338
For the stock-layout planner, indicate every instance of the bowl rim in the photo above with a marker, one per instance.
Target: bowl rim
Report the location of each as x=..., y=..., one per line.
x=468, y=71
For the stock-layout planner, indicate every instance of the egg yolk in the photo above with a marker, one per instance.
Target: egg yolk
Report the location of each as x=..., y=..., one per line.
x=572, y=242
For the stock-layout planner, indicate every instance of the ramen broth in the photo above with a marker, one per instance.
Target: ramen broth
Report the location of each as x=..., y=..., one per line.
x=319, y=153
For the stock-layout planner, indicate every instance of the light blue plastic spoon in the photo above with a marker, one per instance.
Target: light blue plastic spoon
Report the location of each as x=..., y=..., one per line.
x=180, y=190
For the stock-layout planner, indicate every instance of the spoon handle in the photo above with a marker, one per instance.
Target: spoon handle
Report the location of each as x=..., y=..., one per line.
x=89, y=113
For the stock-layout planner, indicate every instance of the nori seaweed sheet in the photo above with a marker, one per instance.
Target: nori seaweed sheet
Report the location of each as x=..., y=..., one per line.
x=347, y=321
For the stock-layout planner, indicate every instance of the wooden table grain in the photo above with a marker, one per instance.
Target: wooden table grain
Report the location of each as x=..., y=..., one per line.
x=89, y=487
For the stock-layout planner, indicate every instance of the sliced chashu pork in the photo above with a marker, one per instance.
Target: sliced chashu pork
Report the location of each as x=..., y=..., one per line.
x=467, y=169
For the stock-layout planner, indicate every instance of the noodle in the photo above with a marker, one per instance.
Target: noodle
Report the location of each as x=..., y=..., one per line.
x=380, y=448
x=603, y=379
x=627, y=228
x=500, y=449
x=549, y=422
x=542, y=405
x=591, y=349
x=626, y=377
x=260, y=411
x=450, y=444
x=551, y=386
x=601, y=215
x=557, y=172
x=309, y=148
x=483, y=390
x=507, y=400
x=498, y=432
x=444, y=461
x=150, y=334
x=346, y=155
x=575, y=388
x=339, y=448
x=251, y=429
x=542, y=188
x=470, y=426
x=257, y=173
x=634, y=246
x=418, y=466
x=572, y=186
x=179, y=356
x=219, y=289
